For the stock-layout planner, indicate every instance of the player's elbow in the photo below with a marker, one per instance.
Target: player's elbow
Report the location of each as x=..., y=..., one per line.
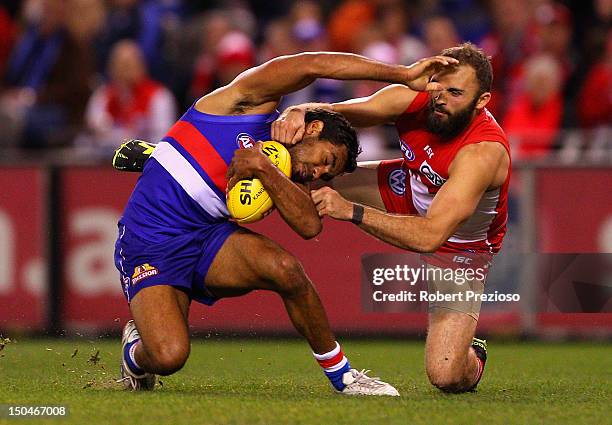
x=432, y=240
x=310, y=229
x=426, y=246
x=437, y=231
x=435, y=242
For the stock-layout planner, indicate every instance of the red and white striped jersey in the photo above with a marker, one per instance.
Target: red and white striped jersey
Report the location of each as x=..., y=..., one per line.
x=427, y=159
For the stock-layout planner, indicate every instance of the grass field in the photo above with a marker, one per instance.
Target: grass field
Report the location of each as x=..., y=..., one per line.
x=277, y=381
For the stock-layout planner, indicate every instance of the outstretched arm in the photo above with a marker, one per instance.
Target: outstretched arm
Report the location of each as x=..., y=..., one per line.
x=259, y=89
x=382, y=107
x=475, y=169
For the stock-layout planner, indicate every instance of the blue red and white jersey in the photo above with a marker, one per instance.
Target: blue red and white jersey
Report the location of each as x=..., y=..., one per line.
x=182, y=187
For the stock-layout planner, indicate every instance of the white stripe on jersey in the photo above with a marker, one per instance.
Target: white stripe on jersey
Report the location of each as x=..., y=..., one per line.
x=421, y=198
x=476, y=228
x=189, y=179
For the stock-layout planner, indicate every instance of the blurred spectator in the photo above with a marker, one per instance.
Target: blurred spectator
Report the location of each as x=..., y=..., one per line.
x=29, y=65
x=375, y=46
x=213, y=27
x=549, y=33
x=48, y=68
x=469, y=17
x=278, y=40
x=595, y=104
x=347, y=21
x=225, y=51
x=235, y=53
x=130, y=105
x=145, y=21
x=507, y=45
x=377, y=140
x=38, y=47
x=51, y=71
x=307, y=33
x=439, y=33
x=595, y=101
x=395, y=25
x=302, y=30
x=534, y=117
x=553, y=35
x=307, y=26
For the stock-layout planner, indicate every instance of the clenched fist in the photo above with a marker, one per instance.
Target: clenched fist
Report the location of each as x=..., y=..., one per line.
x=330, y=203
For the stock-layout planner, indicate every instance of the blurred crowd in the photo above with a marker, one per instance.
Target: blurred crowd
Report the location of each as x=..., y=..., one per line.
x=87, y=73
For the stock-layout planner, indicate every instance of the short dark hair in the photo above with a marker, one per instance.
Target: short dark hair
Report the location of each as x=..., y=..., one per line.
x=338, y=131
x=469, y=54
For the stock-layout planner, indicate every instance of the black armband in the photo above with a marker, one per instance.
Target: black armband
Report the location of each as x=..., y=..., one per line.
x=358, y=211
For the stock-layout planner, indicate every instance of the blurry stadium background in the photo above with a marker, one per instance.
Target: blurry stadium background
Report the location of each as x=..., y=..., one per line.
x=77, y=76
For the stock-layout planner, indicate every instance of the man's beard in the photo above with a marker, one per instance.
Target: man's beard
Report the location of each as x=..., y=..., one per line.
x=453, y=125
x=297, y=159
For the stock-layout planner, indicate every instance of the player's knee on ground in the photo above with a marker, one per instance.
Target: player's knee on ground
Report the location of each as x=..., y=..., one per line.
x=168, y=357
x=287, y=275
x=447, y=376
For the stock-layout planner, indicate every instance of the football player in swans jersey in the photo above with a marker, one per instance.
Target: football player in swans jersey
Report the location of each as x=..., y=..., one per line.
x=176, y=242
x=447, y=194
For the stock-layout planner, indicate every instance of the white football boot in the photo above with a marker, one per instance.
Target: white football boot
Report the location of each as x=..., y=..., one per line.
x=130, y=381
x=358, y=383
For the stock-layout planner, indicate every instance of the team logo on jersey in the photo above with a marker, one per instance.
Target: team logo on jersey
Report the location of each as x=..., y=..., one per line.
x=429, y=172
x=397, y=181
x=245, y=141
x=408, y=153
x=429, y=151
x=143, y=272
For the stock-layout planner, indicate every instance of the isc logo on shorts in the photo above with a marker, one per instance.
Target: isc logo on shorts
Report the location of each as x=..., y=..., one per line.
x=397, y=181
x=143, y=272
x=429, y=172
x=245, y=141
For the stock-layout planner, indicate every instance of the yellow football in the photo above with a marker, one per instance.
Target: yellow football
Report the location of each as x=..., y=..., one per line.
x=248, y=201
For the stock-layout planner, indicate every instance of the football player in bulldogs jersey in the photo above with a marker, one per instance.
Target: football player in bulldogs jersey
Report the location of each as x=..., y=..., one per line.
x=447, y=194
x=176, y=242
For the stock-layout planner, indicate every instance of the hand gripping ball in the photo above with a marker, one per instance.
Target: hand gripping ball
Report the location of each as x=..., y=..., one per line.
x=248, y=201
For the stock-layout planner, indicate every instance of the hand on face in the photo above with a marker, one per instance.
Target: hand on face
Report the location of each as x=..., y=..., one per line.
x=330, y=203
x=289, y=127
x=420, y=72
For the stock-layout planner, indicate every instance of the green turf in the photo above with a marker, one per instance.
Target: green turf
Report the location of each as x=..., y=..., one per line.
x=249, y=382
